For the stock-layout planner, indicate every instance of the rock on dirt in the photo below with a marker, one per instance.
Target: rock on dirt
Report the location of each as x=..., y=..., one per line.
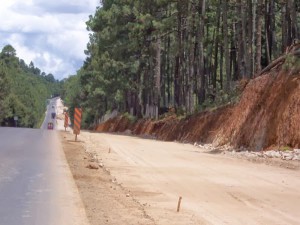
x=273, y=154
x=128, y=132
x=93, y=166
x=296, y=157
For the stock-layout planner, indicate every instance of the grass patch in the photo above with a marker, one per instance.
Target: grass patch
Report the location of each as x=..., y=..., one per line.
x=285, y=148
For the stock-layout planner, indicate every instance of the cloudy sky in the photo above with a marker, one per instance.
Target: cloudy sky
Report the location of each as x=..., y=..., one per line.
x=52, y=34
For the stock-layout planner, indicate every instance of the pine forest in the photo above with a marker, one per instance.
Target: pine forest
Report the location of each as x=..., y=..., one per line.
x=147, y=57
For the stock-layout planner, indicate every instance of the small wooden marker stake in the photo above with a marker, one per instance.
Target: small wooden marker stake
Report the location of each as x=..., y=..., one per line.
x=179, y=203
x=108, y=150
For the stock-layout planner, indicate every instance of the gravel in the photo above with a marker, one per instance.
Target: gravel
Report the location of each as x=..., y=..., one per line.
x=287, y=155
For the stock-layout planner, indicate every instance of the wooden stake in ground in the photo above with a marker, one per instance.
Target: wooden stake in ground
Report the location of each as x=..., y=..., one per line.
x=179, y=203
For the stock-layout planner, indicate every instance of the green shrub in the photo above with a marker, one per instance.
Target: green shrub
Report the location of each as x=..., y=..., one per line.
x=130, y=117
x=285, y=148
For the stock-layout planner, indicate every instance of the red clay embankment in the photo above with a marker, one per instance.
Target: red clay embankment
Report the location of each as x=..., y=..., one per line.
x=267, y=115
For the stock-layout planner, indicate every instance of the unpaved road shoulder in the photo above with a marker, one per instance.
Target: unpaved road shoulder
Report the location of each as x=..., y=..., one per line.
x=214, y=189
x=106, y=202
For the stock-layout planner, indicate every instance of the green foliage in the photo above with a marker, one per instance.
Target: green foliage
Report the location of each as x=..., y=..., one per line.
x=220, y=98
x=180, y=42
x=24, y=90
x=118, y=55
x=8, y=51
x=292, y=62
x=71, y=94
x=285, y=148
x=130, y=117
x=4, y=87
x=289, y=62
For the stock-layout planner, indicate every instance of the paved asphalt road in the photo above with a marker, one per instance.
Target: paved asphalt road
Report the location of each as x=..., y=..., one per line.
x=36, y=186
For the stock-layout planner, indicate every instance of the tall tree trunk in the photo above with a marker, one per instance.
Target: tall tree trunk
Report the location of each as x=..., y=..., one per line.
x=178, y=59
x=168, y=70
x=163, y=78
x=248, y=29
x=140, y=93
x=191, y=60
x=284, y=30
x=157, y=92
x=226, y=46
x=216, y=52
x=240, y=27
x=233, y=62
x=268, y=33
x=297, y=23
x=272, y=39
x=293, y=18
x=290, y=26
x=246, y=41
x=258, y=36
x=221, y=67
x=185, y=55
x=201, y=71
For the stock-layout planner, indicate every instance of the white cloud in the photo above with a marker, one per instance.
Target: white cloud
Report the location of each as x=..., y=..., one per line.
x=52, y=34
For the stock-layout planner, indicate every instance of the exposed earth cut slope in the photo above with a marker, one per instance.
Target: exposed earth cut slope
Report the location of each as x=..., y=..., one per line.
x=267, y=114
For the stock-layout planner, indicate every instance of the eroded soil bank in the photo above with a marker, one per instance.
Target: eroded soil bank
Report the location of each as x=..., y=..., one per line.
x=267, y=116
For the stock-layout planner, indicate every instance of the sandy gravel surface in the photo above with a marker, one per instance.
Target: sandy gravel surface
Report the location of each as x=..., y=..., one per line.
x=105, y=201
x=215, y=189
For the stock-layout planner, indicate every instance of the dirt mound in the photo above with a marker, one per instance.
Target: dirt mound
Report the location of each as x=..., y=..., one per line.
x=268, y=114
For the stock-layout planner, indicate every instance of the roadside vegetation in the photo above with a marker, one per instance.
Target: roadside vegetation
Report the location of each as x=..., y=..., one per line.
x=145, y=57
x=24, y=90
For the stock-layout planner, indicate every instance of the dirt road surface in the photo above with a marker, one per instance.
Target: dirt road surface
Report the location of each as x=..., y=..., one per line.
x=141, y=181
